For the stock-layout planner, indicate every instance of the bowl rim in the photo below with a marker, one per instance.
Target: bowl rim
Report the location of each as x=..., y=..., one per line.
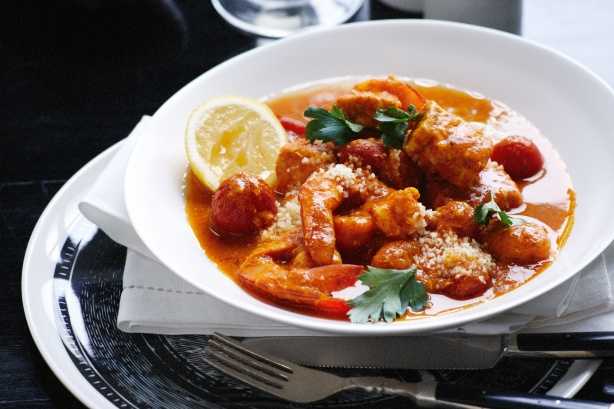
x=396, y=328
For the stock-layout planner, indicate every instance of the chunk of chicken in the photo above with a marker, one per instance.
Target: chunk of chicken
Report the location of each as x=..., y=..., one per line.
x=524, y=243
x=454, y=216
x=495, y=180
x=354, y=231
x=298, y=159
x=396, y=254
x=399, y=214
x=445, y=144
x=446, y=264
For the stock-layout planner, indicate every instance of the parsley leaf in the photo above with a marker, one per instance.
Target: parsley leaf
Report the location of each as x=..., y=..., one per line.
x=413, y=294
x=485, y=211
x=393, y=124
x=393, y=134
x=390, y=293
x=330, y=126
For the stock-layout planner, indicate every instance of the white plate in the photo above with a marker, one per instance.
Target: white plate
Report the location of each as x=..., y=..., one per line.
x=41, y=258
x=571, y=105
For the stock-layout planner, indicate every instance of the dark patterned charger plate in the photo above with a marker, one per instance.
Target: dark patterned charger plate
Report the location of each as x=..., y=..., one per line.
x=78, y=271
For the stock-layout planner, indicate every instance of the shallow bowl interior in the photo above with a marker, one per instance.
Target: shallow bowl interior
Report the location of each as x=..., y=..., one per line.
x=571, y=106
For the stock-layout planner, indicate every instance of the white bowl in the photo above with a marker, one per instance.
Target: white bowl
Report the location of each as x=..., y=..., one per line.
x=571, y=106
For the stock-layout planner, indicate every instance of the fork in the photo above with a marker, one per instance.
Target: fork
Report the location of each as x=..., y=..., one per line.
x=299, y=384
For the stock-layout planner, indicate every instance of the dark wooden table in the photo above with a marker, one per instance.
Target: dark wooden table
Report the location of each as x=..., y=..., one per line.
x=76, y=77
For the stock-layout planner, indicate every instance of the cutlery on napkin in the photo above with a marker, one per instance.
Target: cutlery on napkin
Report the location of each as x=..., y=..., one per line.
x=155, y=300
x=444, y=351
x=296, y=383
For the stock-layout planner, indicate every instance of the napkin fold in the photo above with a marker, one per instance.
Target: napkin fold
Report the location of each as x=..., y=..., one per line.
x=155, y=300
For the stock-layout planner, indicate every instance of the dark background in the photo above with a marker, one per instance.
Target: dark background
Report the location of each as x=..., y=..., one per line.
x=76, y=76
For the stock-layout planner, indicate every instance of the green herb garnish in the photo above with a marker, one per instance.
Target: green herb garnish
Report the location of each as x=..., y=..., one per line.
x=390, y=293
x=393, y=124
x=330, y=126
x=485, y=211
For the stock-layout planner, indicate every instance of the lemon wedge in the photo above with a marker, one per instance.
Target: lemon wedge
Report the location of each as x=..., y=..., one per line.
x=227, y=135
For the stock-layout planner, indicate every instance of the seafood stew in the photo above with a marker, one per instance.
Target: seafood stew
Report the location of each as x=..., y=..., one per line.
x=390, y=200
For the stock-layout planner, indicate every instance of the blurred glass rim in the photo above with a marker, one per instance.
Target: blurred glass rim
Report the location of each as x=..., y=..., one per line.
x=271, y=32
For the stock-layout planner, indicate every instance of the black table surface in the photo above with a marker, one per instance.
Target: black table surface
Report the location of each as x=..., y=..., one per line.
x=76, y=76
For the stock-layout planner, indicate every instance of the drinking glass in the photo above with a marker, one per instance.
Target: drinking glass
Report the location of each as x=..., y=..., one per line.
x=279, y=18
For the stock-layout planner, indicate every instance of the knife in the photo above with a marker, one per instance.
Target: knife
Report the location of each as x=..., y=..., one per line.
x=454, y=351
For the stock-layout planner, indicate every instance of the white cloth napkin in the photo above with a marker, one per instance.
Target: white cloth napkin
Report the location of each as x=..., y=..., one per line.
x=155, y=300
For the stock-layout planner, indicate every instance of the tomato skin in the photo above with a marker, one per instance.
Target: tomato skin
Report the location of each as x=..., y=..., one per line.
x=292, y=125
x=519, y=156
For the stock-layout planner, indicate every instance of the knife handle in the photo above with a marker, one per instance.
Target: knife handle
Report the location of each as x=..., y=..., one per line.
x=570, y=344
x=482, y=398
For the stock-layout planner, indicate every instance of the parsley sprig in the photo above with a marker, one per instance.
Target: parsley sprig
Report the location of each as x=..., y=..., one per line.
x=333, y=126
x=393, y=124
x=330, y=126
x=485, y=211
x=390, y=293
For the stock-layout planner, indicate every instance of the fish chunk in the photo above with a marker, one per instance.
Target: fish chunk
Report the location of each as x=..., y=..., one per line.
x=445, y=144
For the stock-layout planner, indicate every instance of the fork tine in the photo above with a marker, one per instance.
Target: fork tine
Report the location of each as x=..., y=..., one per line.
x=233, y=344
x=244, y=368
x=243, y=378
x=247, y=359
x=228, y=368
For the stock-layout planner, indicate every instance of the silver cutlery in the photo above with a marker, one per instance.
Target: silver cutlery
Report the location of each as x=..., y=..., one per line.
x=297, y=383
x=432, y=352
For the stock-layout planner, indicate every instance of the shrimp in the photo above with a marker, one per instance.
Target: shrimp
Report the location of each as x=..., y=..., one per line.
x=406, y=94
x=369, y=96
x=321, y=194
x=394, y=213
x=295, y=285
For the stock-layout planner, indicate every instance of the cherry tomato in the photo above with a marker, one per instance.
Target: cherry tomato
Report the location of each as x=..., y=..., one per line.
x=367, y=152
x=292, y=125
x=242, y=205
x=519, y=157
